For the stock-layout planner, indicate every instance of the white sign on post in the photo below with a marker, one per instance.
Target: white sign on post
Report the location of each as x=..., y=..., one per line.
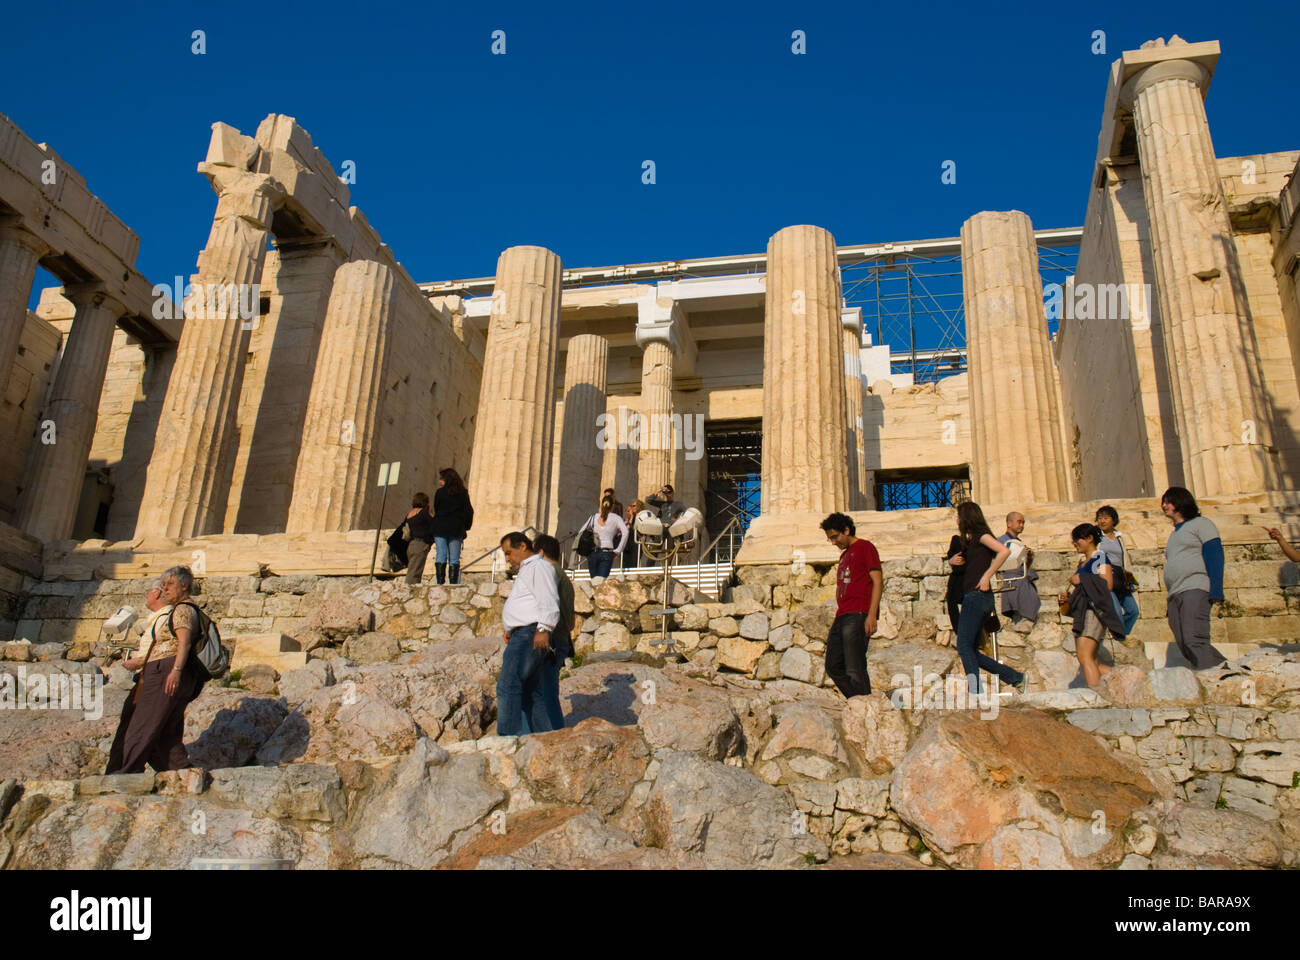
x=388, y=473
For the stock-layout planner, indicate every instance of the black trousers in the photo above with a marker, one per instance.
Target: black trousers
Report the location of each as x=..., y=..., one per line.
x=846, y=654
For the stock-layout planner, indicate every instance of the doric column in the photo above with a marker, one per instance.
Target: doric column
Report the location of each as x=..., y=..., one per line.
x=337, y=466
x=510, y=471
x=47, y=507
x=20, y=251
x=586, y=375
x=861, y=487
x=805, y=462
x=189, y=474
x=660, y=326
x=1222, y=411
x=1017, y=454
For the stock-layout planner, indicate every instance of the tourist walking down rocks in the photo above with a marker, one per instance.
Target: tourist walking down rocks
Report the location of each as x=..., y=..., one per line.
x=952, y=596
x=158, y=607
x=1022, y=601
x=453, y=515
x=1092, y=602
x=548, y=700
x=1112, y=544
x=611, y=536
x=1290, y=552
x=531, y=613
x=155, y=729
x=859, y=582
x=1193, y=577
x=982, y=555
x=419, y=527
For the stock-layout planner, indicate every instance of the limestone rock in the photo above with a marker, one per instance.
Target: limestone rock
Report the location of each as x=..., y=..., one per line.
x=225, y=727
x=969, y=786
x=626, y=596
x=804, y=726
x=877, y=730
x=1220, y=839
x=1126, y=686
x=673, y=712
x=737, y=653
x=296, y=791
x=886, y=664
x=729, y=817
x=797, y=664
x=613, y=636
x=297, y=685
x=258, y=678
x=1175, y=685
x=595, y=764
x=372, y=648
x=348, y=721
x=815, y=619
x=869, y=797
x=435, y=796
x=339, y=616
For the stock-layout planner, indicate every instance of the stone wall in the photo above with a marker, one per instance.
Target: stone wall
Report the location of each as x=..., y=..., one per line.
x=917, y=427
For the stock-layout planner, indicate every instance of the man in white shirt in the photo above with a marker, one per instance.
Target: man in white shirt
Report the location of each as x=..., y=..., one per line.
x=532, y=610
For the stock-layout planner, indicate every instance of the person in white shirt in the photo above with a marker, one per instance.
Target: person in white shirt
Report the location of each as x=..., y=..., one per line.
x=531, y=612
x=611, y=537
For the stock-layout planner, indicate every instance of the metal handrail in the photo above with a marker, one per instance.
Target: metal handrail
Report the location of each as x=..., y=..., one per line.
x=465, y=566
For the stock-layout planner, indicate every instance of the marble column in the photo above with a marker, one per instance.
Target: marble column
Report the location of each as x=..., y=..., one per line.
x=1222, y=411
x=657, y=439
x=189, y=475
x=514, y=430
x=338, y=460
x=20, y=251
x=861, y=481
x=805, y=462
x=1017, y=455
x=586, y=375
x=47, y=507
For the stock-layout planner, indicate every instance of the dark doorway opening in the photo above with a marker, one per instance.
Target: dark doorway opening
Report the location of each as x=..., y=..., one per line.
x=917, y=489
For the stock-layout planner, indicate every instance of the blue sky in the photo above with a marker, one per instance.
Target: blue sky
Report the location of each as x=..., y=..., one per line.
x=460, y=153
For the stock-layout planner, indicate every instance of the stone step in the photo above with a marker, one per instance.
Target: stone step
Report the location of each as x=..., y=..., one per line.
x=276, y=650
x=1168, y=655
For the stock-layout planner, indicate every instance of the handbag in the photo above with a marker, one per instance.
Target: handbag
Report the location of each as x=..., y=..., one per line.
x=586, y=543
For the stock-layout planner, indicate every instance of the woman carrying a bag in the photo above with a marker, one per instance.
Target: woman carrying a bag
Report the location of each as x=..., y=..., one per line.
x=1112, y=544
x=610, y=533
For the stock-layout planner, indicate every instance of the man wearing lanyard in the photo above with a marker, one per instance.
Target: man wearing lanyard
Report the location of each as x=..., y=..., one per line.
x=532, y=610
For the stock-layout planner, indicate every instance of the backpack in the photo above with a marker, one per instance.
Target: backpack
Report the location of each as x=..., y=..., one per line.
x=207, y=651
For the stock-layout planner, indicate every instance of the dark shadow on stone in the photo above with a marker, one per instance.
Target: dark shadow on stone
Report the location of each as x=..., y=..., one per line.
x=614, y=706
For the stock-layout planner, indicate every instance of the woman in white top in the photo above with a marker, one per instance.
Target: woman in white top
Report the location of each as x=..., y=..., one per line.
x=611, y=538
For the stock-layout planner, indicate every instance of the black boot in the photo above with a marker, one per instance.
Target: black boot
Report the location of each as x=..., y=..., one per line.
x=455, y=573
x=441, y=569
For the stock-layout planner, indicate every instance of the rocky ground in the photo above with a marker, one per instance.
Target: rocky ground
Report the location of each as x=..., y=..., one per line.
x=394, y=764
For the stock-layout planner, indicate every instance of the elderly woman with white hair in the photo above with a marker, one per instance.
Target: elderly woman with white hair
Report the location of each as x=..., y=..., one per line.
x=153, y=720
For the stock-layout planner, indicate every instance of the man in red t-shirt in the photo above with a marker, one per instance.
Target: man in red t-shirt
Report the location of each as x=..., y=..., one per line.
x=859, y=583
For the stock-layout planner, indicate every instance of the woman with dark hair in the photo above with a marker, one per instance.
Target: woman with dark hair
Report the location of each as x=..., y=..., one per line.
x=419, y=524
x=1112, y=544
x=1193, y=577
x=453, y=515
x=611, y=535
x=982, y=554
x=1092, y=602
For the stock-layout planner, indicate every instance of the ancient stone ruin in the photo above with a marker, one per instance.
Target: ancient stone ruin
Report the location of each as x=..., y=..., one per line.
x=237, y=423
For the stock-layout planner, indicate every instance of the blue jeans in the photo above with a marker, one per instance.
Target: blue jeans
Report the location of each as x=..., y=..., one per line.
x=518, y=684
x=600, y=563
x=548, y=712
x=975, y=609
x=445, y=549
x=1129, y=612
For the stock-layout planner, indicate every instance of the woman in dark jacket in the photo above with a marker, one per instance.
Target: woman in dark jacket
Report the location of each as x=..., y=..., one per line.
x=982, y=554
x=453, y=515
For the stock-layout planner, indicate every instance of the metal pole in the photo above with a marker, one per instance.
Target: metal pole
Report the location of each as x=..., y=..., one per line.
x=378, y=530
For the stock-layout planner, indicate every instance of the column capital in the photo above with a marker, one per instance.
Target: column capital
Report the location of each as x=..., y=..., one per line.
x=93, y=293
x=662, y=320
x=851, y=318
x=1165, y=70
x=12, y=230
